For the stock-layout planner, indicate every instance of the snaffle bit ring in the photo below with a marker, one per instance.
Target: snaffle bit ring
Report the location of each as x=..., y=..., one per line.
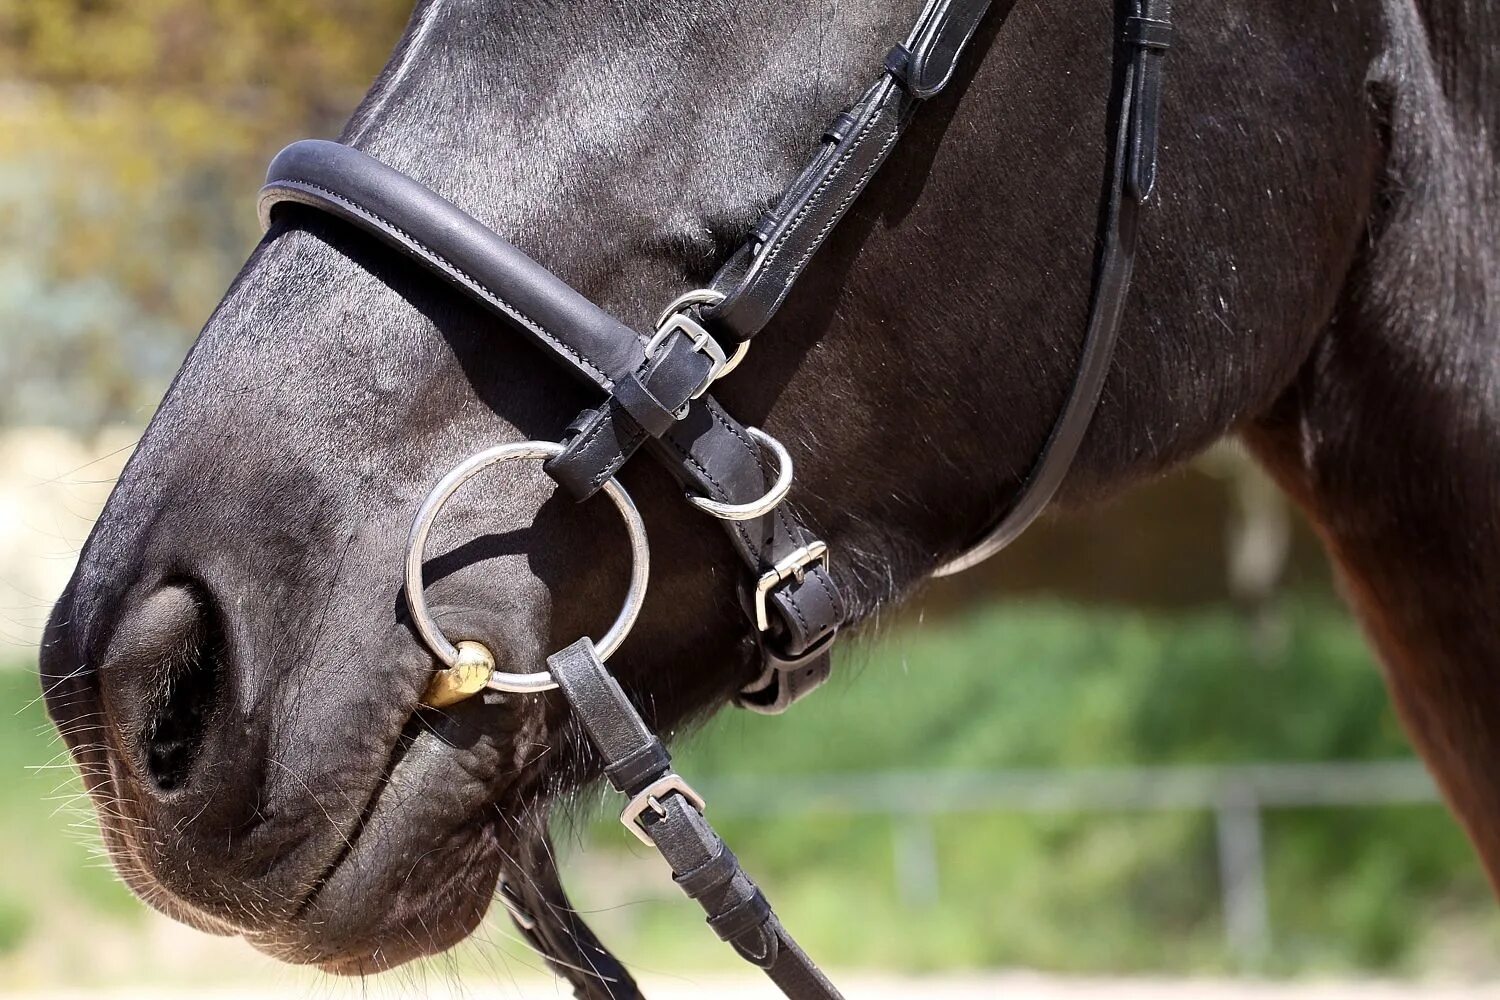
x=766, y=503
x=464, y=661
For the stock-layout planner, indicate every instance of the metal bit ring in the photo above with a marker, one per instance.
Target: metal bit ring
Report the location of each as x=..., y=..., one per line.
x=454, y=688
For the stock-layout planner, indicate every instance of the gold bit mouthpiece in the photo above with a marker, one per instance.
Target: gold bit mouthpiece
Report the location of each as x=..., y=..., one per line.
x=467, y=677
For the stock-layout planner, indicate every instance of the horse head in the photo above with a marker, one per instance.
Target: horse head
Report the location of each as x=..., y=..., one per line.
x=234, y=664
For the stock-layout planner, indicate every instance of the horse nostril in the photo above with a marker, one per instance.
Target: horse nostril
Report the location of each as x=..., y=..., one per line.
x=183, y=688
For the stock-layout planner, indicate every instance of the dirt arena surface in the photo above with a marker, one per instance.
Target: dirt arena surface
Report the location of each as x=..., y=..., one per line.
x=1009, y=986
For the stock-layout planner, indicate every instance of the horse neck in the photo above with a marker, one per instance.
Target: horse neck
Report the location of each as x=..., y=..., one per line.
x=1390, y=437
x=924, y=364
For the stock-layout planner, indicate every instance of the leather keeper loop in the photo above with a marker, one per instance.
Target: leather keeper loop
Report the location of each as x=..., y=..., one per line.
x=764, y=958
x=632, y=773
x=784, y=681
x=897, y=62
x=764, y=227
x=644, y=403
x=749, y=914
x=1148, y=33
x=578, y=426
x=602, y=439
x=940, y=38
x=710, y=875
x=644, y=408
x=838, y=129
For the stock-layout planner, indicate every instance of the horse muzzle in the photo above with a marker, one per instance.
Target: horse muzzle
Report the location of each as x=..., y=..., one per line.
x=241, y=802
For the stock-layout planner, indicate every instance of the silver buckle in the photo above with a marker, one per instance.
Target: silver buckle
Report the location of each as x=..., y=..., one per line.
x=650, y=798
x=794, y=566
x=674, y=319
x=702, y=343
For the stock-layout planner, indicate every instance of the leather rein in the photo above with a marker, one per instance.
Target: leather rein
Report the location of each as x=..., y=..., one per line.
x=654, y=394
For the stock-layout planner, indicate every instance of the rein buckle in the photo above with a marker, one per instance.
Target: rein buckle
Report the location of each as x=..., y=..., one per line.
x=650, y=798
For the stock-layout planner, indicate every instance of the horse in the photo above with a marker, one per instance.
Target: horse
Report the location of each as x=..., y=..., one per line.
x=234, y=665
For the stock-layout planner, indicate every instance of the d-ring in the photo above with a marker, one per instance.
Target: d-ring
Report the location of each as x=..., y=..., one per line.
x=767, y=503
x=417, y=543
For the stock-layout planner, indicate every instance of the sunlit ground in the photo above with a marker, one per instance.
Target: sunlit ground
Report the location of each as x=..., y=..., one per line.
x=171, y=962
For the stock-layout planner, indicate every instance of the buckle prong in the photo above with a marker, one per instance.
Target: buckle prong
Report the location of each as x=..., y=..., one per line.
x=650, y=798
x=794, y=566
x=675, y=319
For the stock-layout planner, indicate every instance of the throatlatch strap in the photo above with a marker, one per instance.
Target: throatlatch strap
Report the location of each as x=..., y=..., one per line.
x=1136, y=107
x=666, y=813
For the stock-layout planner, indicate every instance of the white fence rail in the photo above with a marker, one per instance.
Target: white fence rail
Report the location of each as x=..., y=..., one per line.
x=1237, y=795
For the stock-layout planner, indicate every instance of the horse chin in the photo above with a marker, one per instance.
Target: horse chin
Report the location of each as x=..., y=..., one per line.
x=376, y=910
x=419, y=872
x=413, y=878
x=146, y=888
x=379, y=906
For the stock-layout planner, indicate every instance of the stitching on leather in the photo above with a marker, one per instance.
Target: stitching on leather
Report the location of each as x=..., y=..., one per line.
x=768, y=942
x=598, y=428
x=789, y=593
x=459, y=272
x=942, y=23
x=825, y=580
x=722, y=494
x=627, y=446
x=858, y=186
x=744, y=439
x=781, y=594
x=582, y=443
x=751, y=449
x=817, y=193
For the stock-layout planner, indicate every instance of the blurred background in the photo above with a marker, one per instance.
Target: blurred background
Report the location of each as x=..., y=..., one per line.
x=1146, y=743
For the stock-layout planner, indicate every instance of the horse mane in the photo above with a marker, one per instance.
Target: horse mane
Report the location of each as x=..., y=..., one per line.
x=1437, y=88
x=1460, y=37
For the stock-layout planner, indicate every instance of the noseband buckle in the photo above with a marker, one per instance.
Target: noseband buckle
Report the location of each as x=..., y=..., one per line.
x=794, y=566
x=676, y=319
x=650, y=798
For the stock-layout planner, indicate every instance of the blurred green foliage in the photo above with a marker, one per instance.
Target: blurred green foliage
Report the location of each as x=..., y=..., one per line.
x=133, y=134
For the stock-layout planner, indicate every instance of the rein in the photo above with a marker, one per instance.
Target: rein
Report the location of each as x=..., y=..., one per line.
x=655, y=395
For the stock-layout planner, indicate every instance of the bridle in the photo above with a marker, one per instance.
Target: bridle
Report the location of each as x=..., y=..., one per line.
x=655, y=394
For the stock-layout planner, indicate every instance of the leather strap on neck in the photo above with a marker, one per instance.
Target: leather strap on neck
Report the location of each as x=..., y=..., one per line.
x=1136, y=109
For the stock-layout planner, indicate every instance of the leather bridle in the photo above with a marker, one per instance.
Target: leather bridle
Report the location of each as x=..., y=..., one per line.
x=655, y=394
